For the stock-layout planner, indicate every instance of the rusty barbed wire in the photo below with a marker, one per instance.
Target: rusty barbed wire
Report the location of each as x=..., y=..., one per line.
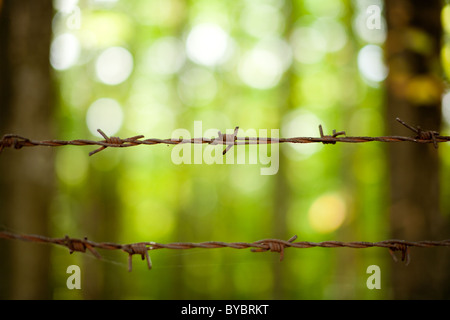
x=273, y=245
x=422, y=136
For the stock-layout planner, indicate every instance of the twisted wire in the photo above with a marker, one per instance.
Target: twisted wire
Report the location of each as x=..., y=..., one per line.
x=273, y=245
x=423, y=136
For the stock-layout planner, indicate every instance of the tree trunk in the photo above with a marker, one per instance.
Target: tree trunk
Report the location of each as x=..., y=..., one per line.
x=414, y=89
x=26, y=175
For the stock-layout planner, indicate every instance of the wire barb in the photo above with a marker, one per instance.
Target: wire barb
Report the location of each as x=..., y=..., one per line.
x=113, y=141
x=329, y=139
x=137, y=248
x=12, y=141
x=273, y=245
x=404, y=249
x=423, y=136
x=227, y=139
x=80, y=246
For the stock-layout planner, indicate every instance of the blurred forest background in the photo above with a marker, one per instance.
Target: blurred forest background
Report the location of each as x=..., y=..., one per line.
x=69, y=67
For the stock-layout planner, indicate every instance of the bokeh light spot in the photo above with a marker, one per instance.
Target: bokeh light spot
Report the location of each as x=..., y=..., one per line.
x=446, y=108
x=370, y=25
x=166, y=56
x=371, y=65
x=260, y=69
x=105, y=114
x=207, y=44
x=65, y=51
x=309, y=45
x=333, y=32
x=254, y=20
x=114, y=65
x=65, y=6
x=300, y=123
x=327, y=213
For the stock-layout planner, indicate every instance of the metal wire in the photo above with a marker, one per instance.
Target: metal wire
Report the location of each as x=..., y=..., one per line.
x=423, y=136
x=273, y=245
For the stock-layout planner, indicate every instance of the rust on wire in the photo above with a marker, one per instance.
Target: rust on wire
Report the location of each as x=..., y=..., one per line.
x=423, y=136
x=80, y=246
x=273, y=245
x=113, y=141
x=404, y=249
x=227, y=139
x=137, y=248
x=335, y=134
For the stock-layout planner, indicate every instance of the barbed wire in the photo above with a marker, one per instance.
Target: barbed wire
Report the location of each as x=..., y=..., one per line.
x=273, y=245
x=422, y=136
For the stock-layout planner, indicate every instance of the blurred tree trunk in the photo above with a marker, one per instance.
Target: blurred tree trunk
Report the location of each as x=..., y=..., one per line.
x=25, y=176
x=414, y=89
x=283, y=192
x=101, y=221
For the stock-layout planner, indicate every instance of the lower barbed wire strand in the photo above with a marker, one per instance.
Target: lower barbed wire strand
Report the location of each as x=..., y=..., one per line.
x=274, y=245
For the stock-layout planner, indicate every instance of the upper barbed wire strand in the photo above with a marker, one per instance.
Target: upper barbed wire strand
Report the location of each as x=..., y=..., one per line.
x=423, y=136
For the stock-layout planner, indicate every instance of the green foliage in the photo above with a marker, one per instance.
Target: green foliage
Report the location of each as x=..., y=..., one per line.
x=281, y=65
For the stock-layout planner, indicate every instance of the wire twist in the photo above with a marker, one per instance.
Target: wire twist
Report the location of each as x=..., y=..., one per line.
x=273, y=245
x=230, y=140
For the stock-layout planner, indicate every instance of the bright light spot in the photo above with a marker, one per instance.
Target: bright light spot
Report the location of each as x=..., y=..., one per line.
x=370, y=63
x=360, y=23
x=333, y=32
x=445, y=18
x=105, y=114
x=327, y=213
x=64, y=51
x=446, y=108
x=308, y=44
x=197, y=87
x=261, y=69
x=109, y=27
x=280, y=48
x=262, y=20
x=65, y=6
x=207, y=44
x=445, y=56
x=166, y=56
x=114, y=65
x=301, y=123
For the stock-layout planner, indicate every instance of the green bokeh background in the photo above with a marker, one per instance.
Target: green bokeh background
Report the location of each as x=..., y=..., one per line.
x=139, y=194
